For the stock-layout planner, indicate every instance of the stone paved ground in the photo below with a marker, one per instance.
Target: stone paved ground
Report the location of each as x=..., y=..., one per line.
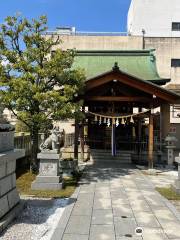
x=111, y=202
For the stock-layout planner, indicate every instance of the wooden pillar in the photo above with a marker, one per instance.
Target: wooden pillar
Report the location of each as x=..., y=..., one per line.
x=82, y=140
x=151, y=141
x=165, y=120
x=76, y=140
x=139, y=132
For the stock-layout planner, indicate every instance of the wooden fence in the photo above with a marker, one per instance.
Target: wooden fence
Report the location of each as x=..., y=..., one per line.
x=24, y=142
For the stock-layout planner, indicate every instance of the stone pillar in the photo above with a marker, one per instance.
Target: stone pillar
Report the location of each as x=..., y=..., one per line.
x=165, y=120
x=176, y=185
x=9, y=197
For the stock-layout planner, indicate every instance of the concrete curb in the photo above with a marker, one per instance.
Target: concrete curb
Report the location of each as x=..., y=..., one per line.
x=63, y=221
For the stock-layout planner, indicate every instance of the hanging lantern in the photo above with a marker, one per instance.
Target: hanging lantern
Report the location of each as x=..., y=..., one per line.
x=122, y=122
x=131, y=120
x=105, y=120
x=117, y=122
x=108, y=122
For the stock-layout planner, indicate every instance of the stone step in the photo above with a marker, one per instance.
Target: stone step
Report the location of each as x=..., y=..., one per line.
x=101, y=155
x=107, y=157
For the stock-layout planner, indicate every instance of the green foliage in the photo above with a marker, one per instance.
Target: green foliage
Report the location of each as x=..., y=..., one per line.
x=21, y=127
x=39, y=85
x=168, y=193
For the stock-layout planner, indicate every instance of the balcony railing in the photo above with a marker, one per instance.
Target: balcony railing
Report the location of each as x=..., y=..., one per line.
x=83, y=33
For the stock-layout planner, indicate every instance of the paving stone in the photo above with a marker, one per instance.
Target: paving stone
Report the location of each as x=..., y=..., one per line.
x=119, y=201
x=78, y=225
x=154, y=200
x=102, y=194
x=120, y=193
x=122, y=210
x=164, y=214
x=146, y=219
x=140, y=206
x=75, y=237
x=82, y=210
x=87, y=189
x=102, y=232
x=130, y=238
x=100, y=206
x=102, y=216
x=125, y=226
x=101, y=185
x=102, y=203
x=154, y=234
x=171, y=228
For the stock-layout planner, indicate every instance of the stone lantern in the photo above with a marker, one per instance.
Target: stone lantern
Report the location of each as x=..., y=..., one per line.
x=170, y=141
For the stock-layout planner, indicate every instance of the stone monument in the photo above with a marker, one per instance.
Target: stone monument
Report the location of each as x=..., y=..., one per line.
x=9, y=197
x=171, y=140
x=176, y=185
x=49, y=177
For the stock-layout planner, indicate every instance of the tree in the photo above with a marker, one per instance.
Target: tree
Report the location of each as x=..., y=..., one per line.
x=36, y=85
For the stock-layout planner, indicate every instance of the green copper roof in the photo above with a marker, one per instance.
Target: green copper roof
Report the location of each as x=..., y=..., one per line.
x=139, y=63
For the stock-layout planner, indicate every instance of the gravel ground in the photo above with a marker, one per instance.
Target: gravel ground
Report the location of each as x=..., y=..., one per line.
x=37, y=221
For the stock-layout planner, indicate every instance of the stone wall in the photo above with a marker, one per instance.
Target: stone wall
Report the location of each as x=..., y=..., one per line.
x=166, y=49
x=9, y=197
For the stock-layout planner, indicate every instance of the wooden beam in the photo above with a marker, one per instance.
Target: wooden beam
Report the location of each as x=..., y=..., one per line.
x=117, y=99
x=151, y=141
x=132, y=82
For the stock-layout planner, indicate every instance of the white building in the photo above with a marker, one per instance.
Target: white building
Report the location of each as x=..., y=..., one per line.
x=159, y=18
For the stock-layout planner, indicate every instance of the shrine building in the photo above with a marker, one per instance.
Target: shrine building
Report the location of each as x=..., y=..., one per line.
x=126, y=107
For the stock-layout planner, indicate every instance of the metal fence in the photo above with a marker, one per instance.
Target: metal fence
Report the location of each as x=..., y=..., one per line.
x=83, y=33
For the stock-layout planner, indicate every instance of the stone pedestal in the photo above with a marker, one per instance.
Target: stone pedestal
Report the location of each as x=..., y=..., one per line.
x=49, y=177
x=9, y=197
x=176, y=185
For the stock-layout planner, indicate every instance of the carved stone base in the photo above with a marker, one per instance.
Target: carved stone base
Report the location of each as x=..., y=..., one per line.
x=49, y=177
x=45, y=185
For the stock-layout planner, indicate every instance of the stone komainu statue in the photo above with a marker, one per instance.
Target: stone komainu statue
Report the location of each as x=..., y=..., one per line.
x=54, y=141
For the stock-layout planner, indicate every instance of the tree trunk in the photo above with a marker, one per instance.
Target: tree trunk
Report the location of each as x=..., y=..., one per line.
x=34, y=151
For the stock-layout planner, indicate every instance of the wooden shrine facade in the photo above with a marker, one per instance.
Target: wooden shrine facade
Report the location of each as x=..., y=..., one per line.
x=118, y=99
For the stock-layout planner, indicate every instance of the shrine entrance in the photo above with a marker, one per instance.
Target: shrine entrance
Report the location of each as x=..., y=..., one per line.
x=125, y=107
x=120, y=113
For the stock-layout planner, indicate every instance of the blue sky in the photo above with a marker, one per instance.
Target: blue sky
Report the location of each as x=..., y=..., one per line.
x=85, y=15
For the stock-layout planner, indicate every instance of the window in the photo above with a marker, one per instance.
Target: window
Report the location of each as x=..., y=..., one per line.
x=176, y=111
x=176, y=26
x=175, y=62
